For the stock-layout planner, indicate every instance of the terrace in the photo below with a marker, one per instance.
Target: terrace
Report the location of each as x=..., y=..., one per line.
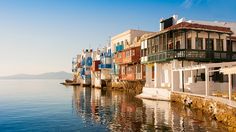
x=192, y=55
x=189, y=41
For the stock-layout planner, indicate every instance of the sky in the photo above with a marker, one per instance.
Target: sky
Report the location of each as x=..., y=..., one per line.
x=38, y=36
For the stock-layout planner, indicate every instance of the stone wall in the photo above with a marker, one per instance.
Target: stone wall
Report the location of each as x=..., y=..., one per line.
x=218, y=110
x=129, y=86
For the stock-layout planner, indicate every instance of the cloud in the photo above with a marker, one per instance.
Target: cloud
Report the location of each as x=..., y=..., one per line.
x=189, y=3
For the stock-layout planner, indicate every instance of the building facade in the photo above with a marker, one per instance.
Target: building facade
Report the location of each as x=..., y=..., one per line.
x=181, y=44
x=95, y=71
x=125, y=48
x=105, y=65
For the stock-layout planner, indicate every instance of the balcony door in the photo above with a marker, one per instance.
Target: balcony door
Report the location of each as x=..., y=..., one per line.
x=210, y=48
x=229, y=49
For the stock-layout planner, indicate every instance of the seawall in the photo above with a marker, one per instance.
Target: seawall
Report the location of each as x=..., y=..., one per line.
x=222, y=110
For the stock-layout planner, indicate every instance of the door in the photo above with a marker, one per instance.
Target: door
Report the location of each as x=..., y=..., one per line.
x=229, y=49
x=210, y=48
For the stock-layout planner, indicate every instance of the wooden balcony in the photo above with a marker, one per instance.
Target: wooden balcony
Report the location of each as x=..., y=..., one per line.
x=127, y=56
x=193, y=55
x=95, y=65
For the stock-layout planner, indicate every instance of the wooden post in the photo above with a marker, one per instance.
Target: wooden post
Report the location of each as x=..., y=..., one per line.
x=230, y=86
x=196, y=42
x=231, y=48
x=182, y=76
x=219, y=43
x=185, y=42
x=207, y=81
x=167, y=41
x=173, y=40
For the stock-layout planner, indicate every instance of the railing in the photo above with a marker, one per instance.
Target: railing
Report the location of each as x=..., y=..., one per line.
x=201, y=55
x=139, y=76
x=119, y=48
x=101, y=66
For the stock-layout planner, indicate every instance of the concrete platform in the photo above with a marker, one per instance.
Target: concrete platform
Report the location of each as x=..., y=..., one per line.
x=155, y=94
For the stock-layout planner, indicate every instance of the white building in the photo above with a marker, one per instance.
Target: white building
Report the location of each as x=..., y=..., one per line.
x=183, y=44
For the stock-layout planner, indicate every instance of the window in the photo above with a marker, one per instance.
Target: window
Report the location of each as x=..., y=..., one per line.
x=178, y=45
x=199, y=43
x=123, y=70
x=127, y=53
x=133, y=52
x=142, y=52
x=153, y=41
x=219, y=44
x=170, y=46
x=189, y=43
x=138, y=68
x=157, y=48
x=161, y=43
x=126, y=42
x=164, y=42
x=209, y=44
x=153, y=72
x=122, y=42
x=119, y=55
x=157, y=40
x=153, y=49
x=165, y=76
x=149, y=43
x=233, y=46
x=129, y=69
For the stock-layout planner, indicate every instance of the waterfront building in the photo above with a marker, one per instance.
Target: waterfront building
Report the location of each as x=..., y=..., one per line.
x=76, y=68
x=86, y=63
x=95, y=71
x=186, y=56
x=125, y=48
x=105, y=65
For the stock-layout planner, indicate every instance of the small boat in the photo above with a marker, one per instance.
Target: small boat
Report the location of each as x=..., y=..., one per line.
x=70, y=83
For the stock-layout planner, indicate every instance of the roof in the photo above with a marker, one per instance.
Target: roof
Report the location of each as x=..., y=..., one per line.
x=195, y=26
x=127, y=33
x=231, y=25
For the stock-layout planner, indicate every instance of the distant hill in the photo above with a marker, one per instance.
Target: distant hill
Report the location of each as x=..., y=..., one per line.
x=49, y=75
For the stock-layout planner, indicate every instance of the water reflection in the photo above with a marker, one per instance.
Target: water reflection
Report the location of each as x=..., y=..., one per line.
x=123, y=112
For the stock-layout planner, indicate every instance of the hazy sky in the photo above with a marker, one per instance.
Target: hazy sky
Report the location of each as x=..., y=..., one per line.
x=39, y=36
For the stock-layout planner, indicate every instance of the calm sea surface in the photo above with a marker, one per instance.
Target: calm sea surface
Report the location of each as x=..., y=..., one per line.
x=45, y=105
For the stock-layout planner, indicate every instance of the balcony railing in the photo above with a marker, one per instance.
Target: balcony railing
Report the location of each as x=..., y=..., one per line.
x=139, y=76
x=102, y=66
x=119, y=48
x=198, y=55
